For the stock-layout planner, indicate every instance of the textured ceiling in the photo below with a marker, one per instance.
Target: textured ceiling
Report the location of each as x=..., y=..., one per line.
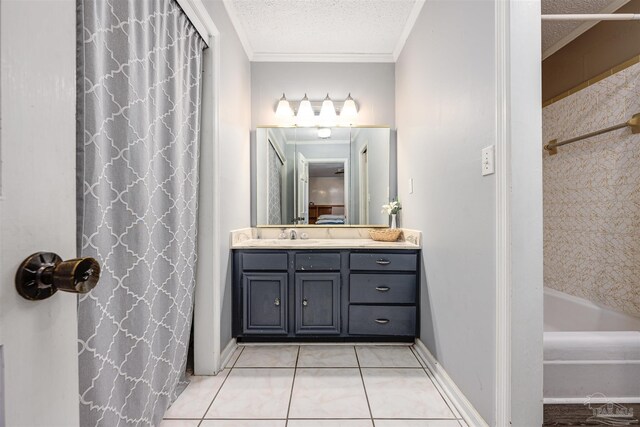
x=556, y=34
x=322, y=27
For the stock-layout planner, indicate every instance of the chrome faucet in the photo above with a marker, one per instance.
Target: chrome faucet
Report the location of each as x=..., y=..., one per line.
x=293, y=234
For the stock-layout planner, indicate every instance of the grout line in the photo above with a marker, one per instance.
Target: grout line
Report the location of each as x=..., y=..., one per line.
x=364, y=387
x=295, y=371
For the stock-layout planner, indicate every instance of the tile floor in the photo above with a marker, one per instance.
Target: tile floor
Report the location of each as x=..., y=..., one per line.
x=316, y=386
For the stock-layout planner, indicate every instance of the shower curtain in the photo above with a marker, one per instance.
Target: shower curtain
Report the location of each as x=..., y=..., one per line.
x=139, y=83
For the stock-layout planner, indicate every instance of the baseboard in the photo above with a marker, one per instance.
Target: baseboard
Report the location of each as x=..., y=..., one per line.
x=459, y=400
x=227, y=353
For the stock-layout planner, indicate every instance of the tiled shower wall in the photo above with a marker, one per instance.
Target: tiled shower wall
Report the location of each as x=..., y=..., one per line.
x=592, y=195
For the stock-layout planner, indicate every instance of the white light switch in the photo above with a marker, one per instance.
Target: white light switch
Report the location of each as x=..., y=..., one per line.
x=410, y=185
x=488, y=160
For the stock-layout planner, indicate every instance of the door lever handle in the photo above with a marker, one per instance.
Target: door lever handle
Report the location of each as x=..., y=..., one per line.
x=43, y=273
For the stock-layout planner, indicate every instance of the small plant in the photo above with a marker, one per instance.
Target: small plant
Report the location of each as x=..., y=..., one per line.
x=392, y=208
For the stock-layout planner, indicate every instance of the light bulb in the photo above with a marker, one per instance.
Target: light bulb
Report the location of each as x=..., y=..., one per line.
x=327, y=116
x=349, y=111
x=305, y=115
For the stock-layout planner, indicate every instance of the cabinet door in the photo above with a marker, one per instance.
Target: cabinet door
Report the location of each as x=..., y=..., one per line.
x=317, y=303
x=265, y=303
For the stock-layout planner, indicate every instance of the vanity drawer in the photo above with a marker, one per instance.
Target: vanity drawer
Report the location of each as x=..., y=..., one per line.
x=382, y=320
x=383, y=261
x=382, y=288
x=310, y=261
x=264, y=261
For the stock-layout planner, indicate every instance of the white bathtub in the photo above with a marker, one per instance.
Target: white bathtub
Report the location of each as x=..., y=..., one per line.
x=589, y=349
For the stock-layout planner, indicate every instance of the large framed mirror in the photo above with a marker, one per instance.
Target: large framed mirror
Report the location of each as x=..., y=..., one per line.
x=322, y=176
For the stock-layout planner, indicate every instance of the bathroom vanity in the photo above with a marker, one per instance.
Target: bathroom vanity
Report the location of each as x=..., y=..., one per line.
x=325, y=289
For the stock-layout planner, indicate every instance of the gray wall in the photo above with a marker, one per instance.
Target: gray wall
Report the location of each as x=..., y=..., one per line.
x=447, y=111
x=372, y=85
x=445, y=87
x=235, y=124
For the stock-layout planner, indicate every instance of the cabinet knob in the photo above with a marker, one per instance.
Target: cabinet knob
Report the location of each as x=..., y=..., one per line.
x=382, y=321
x=277, y=302
x=382, y=288
x=383, y=261
x=305, y=302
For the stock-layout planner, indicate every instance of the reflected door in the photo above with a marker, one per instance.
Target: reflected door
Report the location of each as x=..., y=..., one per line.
x=303, y=189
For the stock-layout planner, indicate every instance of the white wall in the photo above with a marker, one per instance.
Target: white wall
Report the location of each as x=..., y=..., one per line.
x=445, y=86
x=372, y=86
x=447, y=111
x=37, y=208
x=234, y=128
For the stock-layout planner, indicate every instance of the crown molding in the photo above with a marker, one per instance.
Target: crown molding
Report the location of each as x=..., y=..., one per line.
x=322, y=57
x=235, y=21
x=408, y=27
x=581, y=29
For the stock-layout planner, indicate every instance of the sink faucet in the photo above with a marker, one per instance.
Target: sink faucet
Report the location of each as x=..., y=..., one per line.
x=293, y=235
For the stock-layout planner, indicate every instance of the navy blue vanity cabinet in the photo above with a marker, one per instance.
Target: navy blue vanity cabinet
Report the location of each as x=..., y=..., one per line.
x=329, y=295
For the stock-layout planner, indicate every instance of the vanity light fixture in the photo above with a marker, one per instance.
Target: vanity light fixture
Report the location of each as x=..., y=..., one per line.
x=324, y=133
x=349, y=111
x=305, y=116
x=328, y=117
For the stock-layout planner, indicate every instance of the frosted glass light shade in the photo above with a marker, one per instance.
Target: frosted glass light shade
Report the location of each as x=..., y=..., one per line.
x=349, y=111
x=324, y=133
x=284, y=109
x=305, y=115
x=328, y=117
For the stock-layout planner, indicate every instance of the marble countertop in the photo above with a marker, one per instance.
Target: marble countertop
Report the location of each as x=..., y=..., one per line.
x=320, y=238
x=322, y=244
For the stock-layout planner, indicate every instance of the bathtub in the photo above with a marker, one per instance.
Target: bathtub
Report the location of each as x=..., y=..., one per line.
x=589, y=349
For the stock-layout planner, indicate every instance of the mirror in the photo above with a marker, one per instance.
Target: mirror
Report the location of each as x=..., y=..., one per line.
x=322, y=176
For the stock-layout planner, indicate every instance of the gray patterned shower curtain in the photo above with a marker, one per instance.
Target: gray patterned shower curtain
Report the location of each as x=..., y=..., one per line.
x=139, y=83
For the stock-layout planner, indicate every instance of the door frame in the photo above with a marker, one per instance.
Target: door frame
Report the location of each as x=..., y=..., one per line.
x=363, y=196
x=207, y=314
x=345, y=165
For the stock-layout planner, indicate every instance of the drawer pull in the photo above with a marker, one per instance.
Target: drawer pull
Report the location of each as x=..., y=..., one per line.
x=305, y=302
x=382, y=288
x=382, y=321
x=277, y=302
x=383, y=261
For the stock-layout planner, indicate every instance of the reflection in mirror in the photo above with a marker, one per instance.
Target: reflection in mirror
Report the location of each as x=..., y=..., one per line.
x=322, y=176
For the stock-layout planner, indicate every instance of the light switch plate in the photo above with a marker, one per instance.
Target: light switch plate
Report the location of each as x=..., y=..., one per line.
x=488, y=160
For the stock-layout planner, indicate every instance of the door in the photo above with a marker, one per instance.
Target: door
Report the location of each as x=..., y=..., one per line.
x=317, y=303
x=364, y=199
x=265, y=303
x=303, y=188
x=38, y=339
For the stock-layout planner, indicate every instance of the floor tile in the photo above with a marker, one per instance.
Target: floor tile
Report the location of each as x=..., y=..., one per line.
x=179, y=423
x=268, y=356
x=417, y=423
x=330, y=423
x=327, y=356
x=385, y=356
x=234, y=357
x=452, y=407
x=403, y=393
x=328, y=393
x=254, y=393
x=196, y=398
x=243, y=423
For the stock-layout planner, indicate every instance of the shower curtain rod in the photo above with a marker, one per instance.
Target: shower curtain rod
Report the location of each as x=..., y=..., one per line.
x=593, y=17
x=633, y=123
